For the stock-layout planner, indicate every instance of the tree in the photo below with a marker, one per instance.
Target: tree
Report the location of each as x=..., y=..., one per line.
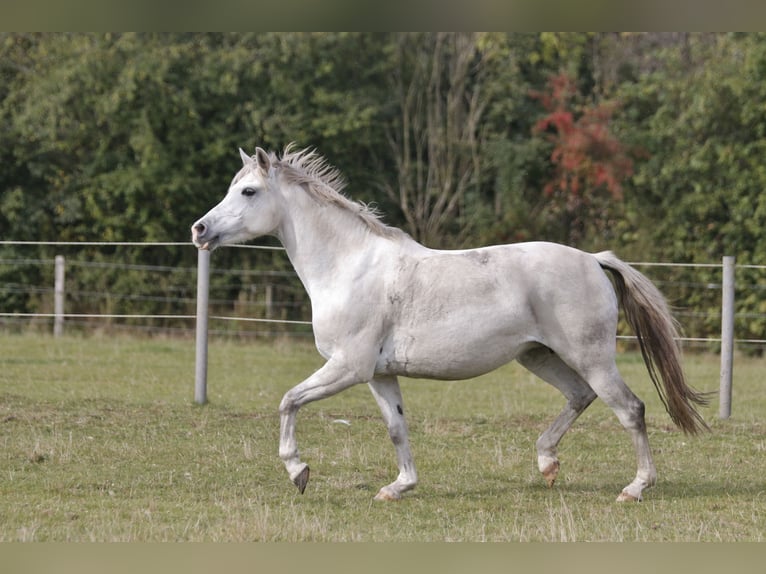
x=131, y=137
x=435, y=138
x=590, y=164
x=699, y=194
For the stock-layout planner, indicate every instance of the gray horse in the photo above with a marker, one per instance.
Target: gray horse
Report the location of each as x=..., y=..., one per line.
x=384, y=305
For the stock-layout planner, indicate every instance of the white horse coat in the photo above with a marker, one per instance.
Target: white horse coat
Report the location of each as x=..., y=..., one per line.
x=383, y=305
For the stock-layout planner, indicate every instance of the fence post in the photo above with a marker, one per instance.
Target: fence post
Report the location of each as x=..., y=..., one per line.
x=269, y=301
x=727, y=338
x=58, y=295
x=203, y=290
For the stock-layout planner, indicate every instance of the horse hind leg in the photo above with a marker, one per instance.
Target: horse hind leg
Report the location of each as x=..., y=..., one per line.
x=389, y=398
x=548, y=366
x=610, y=387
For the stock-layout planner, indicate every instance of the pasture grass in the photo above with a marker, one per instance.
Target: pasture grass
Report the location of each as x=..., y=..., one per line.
x=100, y=441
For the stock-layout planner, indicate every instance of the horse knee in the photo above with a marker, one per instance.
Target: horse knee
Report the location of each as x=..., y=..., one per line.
x=397, y=428
x=397, y=433
x=288, y=404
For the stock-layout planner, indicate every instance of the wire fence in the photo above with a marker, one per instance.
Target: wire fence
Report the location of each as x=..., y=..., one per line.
x=126, y=286
x=108, y=291
x=252, y=291
x=696, y=294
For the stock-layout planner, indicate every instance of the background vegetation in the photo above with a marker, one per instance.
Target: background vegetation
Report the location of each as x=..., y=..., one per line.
x=648, y=144
x=100, y=440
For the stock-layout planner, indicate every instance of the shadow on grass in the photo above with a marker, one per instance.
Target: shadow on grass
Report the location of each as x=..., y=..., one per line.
x=709, y=489
x=500, y=489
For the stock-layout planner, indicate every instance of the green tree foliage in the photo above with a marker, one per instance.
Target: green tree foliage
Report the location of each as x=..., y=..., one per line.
x=699, y=195
x=131, y=137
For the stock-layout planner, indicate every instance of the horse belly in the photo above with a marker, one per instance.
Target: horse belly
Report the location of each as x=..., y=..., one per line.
x=455, y=349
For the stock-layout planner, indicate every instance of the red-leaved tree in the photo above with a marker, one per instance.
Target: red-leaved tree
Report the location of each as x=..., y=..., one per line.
x=590, y=164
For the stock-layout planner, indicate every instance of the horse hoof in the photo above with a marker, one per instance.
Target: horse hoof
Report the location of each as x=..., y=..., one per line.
x=384, y=494
x=302, y=479
x=627, y=497
x=551, y=472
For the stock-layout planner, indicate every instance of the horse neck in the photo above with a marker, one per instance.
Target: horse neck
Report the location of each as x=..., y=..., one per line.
x=321, y=238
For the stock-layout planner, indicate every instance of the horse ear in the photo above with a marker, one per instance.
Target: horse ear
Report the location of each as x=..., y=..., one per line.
x=264, y=162
x=246, y=159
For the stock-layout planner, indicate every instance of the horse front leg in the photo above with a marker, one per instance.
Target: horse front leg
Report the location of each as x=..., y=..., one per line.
x=389, y=398
x=332, y=378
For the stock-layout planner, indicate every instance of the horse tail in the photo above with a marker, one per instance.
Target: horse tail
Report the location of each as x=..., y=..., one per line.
x=648, y=315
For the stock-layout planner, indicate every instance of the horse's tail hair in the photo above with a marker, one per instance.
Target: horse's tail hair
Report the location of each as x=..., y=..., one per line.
x=650, y=318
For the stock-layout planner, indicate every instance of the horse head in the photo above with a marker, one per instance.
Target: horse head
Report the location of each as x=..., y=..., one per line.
x=250, y=208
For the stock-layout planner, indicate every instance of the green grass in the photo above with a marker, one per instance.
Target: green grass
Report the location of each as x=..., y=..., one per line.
x=100, y=440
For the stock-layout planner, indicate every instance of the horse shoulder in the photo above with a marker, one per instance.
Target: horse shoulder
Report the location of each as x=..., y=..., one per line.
x=350, y=307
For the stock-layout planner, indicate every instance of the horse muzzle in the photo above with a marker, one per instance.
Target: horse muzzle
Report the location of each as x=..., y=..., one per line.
x=202, y=237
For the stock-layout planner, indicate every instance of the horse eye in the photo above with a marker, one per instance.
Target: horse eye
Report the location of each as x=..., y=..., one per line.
x=249, y=191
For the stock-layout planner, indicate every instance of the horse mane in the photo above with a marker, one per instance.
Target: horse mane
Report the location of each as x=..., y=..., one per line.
x=325, y=183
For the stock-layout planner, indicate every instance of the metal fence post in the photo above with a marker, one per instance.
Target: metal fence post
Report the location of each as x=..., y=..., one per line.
x=269, y=301
x=203, y=290
x=58, y=295
x=727, y=338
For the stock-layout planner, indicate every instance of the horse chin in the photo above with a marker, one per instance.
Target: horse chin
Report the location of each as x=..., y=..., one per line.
x=210, y=245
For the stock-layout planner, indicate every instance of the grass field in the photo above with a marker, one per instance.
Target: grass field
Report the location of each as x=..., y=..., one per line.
x=100, y=440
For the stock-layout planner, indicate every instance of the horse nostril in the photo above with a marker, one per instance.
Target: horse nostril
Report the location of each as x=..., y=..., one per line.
x=200, y=229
